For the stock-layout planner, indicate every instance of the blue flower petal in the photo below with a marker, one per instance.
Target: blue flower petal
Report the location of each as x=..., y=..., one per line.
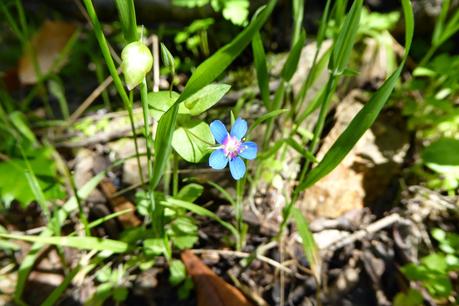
x=249, y=150
x=218, y=159
x=237, y=168
x=218, y=130
x=239, y=128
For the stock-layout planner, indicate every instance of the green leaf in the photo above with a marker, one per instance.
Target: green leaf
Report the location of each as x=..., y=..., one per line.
x=171, y=202
x=203, y=99
x=177, y=272
x=183, y=232
x=309, y=245
x=298, y=15
x=57, y=293
x=265, y=117
x=15, y=185
x=59, y=217
x=442, y=152
x=261, y=68
x=154, y=246
x=84, y=243
x=293, y=58
x=159, y=102
x=126, y=11
x=192, y=140
x=345, y=41
x=366, y=116
x=20, y=123
x=190, y=192
x=410, y=298
x=168, y=59
x=206, y=73
x=435, y=262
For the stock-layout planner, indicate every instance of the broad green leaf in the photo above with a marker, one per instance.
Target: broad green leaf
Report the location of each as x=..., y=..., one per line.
x=154, y=246
x=159, y=102
x=345, y=41
x=84, y=243
x=261, y=68
x=192, y=140
x=206, y=73
x=435, y=262
x=366, y=116
x=204, y=99
x=444, y=151
x=412, y=297
x=309, y=245
x=177, y=272
x=190, y=192
x=15, y=185
x=183, y=232
x=293, y=58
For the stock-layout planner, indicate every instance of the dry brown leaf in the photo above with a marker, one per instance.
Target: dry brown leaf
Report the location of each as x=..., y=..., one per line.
x=120, y=203
x=211, y=289
x=47, y=43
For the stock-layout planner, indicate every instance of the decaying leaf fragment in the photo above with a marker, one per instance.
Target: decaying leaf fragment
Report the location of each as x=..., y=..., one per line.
x=211, y=289
x=46, y=45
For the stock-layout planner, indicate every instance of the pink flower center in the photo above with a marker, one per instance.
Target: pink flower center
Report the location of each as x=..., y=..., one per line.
x=231, y=146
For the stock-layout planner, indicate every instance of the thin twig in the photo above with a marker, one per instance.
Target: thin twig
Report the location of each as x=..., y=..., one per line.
x=155, y=50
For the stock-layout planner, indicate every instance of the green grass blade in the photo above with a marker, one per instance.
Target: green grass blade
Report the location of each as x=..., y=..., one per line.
x=83, y=243
x=345, y=41
x=71, y=205
x=366, y=116
x=200, y=211
x=261, y=68
x=265, y=117
x=298, y=15
x=300, y=149
x=56, y=294
x=293, y=58
x=126, y=12
x=309, y=245
x=206, y=73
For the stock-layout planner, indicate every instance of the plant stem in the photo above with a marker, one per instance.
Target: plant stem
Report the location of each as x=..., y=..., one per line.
x=239, y=211
x=155, y=214
x=113, y=72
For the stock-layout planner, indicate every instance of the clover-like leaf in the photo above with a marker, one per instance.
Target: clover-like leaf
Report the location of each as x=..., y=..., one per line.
x=192, y=140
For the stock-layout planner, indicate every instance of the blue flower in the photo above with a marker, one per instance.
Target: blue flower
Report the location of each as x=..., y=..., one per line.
x=232, y=147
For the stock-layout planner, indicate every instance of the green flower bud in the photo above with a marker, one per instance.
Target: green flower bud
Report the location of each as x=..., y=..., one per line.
x=136, y=63
x=167, y=58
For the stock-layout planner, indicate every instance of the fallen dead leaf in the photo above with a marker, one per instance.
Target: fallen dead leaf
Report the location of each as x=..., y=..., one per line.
x=47, y=45
x=211, y=289
x=120, y=203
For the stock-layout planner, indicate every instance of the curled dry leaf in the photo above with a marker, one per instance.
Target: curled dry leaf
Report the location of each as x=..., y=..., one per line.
x=120, y=203
x=46, y=45
x=211, y=289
